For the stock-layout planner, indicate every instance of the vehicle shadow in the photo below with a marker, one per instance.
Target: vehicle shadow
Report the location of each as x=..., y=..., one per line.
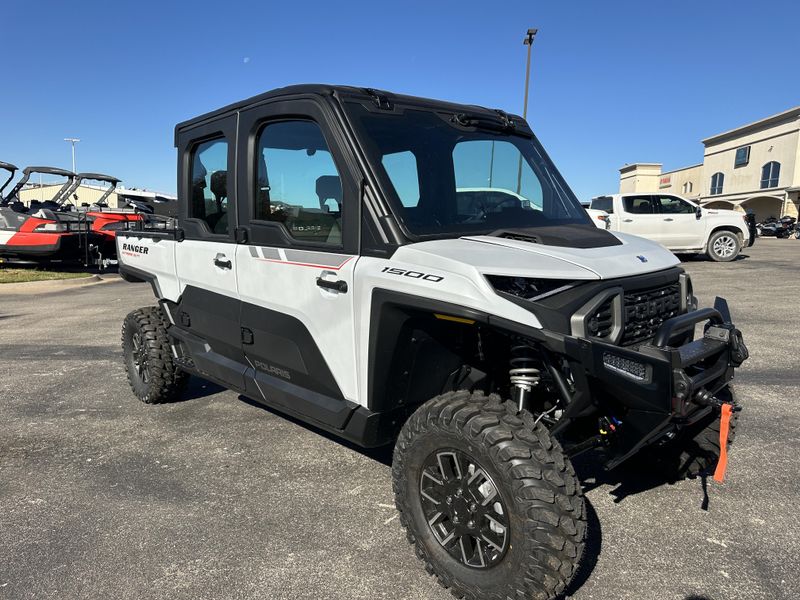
x=197, y=388
x=382, y=454
x=629, y=479
x=591, y=553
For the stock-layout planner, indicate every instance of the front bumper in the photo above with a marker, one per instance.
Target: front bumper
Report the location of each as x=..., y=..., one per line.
x=665, y=384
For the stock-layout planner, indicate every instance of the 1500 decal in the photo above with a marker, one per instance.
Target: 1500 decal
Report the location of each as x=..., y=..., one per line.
x=412, y=274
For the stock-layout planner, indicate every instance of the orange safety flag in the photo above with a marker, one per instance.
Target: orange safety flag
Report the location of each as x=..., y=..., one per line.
x=724, y=426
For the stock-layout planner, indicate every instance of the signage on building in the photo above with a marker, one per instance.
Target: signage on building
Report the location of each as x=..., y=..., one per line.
x=665, y=181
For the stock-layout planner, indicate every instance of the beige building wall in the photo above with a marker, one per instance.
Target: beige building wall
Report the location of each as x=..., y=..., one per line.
x=686, y=182
x=639, y=177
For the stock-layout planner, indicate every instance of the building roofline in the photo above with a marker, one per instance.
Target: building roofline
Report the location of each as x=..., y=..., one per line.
x=632, y=166
x=787, y=115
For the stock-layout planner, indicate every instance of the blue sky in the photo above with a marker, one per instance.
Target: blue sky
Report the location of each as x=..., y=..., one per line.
x=612, y=82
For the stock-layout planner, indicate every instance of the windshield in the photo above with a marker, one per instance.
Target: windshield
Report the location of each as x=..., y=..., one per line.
x=444, y=178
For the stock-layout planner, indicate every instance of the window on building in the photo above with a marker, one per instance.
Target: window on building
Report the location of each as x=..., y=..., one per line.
x=742, y=156
x=717, y=179
x=210, y=184
x=770, y=173
x=687, y=187
x=640, y=205
x=298, y=184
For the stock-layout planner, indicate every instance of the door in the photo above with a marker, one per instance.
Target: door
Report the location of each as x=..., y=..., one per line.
x=208, y=311
x=295, y=267
x=680, y=227
x=639, y=216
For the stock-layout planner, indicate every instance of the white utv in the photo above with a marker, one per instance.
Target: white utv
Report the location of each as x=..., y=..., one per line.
x=414, y=272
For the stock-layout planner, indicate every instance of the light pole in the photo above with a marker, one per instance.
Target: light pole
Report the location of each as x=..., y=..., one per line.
x=74, y=141
x=528, y=41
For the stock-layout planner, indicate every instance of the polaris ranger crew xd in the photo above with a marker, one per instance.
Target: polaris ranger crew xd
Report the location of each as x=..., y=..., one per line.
x=414, y=272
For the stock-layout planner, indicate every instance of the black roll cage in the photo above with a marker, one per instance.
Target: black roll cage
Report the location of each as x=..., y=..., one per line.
x=81, y=177
x=12, y=169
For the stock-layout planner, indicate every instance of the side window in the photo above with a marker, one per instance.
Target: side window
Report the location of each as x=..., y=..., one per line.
x=671, y=205
x=401, y=167
x=639, y=205
x=297, y=182
x=209, y=185
x=605, y=203
x=717, y=181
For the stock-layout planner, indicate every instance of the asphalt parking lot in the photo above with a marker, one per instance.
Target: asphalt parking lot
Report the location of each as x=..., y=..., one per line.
x=215, y=497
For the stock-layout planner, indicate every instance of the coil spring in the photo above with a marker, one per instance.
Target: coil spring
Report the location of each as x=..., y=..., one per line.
x=523, y=375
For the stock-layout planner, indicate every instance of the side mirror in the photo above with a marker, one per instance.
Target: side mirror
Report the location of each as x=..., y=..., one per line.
x=698, y=213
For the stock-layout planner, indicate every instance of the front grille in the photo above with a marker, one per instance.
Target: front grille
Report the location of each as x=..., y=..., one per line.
x=645, y=310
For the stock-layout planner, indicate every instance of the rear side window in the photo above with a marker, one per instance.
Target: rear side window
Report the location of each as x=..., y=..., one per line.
x=297, y=182
x=639, y=205
x=606, y=204
x=209, y=185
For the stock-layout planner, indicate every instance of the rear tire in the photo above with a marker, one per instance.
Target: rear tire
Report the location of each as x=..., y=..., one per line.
x=723, y=246
x=508, y=514
x=152, y=374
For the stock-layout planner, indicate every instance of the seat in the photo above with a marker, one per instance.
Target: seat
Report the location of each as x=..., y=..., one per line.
x=218, y=222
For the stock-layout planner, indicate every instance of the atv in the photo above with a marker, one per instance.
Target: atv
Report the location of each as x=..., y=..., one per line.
x=410, y=272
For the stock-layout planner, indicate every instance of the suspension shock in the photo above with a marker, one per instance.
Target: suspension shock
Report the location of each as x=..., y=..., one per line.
x=523, y=375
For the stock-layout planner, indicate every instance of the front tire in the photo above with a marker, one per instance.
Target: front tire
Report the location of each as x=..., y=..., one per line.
x=152, y=374
x=488, y=499
x=723, y=246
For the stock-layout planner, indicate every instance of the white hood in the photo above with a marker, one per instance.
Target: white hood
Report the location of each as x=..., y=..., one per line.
x=501, y=256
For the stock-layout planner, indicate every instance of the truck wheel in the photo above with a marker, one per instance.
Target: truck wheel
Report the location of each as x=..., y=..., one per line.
x=488, y=499
x=723, y=246
x=695, y=451
x=148, y=357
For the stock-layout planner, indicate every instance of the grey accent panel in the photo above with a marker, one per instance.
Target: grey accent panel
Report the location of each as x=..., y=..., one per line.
x=270, y=253
x=325, y=259
x=253, y=251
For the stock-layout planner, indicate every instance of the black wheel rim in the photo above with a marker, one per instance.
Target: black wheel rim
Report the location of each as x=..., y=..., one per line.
x=140, y=357
x=464, y=509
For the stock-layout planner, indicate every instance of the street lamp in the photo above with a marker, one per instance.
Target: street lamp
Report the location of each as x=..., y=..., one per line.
x=74, y=141
x=528, y=41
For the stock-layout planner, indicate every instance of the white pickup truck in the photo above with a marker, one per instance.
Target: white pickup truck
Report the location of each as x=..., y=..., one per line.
x=678, y=224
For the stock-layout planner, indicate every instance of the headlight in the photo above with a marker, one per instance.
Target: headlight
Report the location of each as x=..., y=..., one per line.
x=527, y=288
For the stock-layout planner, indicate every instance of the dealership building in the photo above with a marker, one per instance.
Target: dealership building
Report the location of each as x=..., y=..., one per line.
x=754, y=168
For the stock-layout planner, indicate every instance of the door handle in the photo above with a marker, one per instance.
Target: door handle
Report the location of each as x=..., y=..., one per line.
x=334, y=286
x=627, y=220
x=219, y=260
x=669, y=219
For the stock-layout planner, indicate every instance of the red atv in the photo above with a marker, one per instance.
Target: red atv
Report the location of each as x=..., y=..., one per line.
x=41, y=231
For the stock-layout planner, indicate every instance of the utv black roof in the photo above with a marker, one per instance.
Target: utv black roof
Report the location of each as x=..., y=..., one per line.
x=98, y=177
x=26, y=175
x=8, y=166
x=380, y=97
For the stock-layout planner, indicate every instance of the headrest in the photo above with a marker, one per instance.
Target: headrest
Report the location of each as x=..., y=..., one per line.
x=219, y=184
x=329, y=187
